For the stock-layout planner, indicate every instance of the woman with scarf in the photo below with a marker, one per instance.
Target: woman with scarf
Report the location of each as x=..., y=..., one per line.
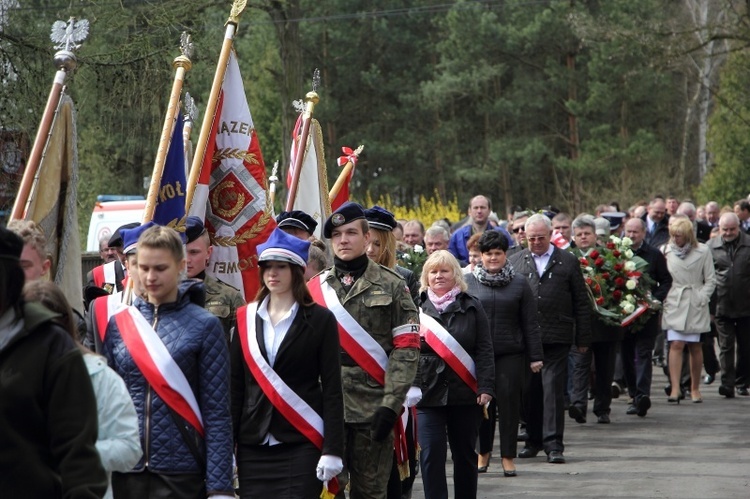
x=457, y=377
x=686, y=315
x=511, y=310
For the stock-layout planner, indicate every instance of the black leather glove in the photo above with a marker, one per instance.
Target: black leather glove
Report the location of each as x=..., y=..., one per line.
x=382, y=423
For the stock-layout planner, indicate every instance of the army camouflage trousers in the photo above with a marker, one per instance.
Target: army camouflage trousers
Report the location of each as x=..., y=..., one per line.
x=367, y=463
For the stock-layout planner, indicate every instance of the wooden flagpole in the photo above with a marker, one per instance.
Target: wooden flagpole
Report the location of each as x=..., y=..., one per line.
x=344, y=175
x=68, y=37
x=182, y=65
x=238, y=8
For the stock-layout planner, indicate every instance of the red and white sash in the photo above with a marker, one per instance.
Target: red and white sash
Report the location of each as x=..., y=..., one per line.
x=357, y=342
x=157, y=365
x=104, y=308
x=284, y=399
x=105, y=274
x=450, y=350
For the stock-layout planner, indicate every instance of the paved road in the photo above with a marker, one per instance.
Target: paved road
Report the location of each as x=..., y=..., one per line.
x=685, y=451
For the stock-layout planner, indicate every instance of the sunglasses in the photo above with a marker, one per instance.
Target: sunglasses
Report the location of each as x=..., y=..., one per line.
x=516, y=230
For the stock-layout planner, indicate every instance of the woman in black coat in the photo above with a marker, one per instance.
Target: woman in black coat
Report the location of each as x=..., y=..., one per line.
x=457, y=377
x=511, y=309
x=286, y=345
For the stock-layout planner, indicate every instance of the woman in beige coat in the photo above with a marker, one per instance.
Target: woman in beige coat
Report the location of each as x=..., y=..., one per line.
x=686, y=314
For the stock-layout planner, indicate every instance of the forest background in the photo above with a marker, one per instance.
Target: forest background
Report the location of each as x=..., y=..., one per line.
x=564, y=102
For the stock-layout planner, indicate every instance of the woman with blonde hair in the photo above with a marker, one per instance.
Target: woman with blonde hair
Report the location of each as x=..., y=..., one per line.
x=457, y=376
x=686, y=313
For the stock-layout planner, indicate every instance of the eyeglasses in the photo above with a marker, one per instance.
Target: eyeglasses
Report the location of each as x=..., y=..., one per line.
x=535, y=239
x=516, y=230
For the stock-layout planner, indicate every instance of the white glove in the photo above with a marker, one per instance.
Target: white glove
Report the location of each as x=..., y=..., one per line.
x=413, y=396
x=328, y=467
x=221, y=496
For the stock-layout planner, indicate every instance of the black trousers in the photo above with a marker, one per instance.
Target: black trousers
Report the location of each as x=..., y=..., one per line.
x=603, y=355
x=462, y=425
x=733, y=332
x=545, y=400
x=146, y=483
x=506, y=408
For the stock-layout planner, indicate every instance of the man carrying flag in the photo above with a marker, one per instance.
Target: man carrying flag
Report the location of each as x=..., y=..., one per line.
x=379, y=334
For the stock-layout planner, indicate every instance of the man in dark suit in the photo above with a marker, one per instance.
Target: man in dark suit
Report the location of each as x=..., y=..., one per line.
x=564, y=319
x=657, y=223
x=636, y=346
x=701, y=229
x=742, y=210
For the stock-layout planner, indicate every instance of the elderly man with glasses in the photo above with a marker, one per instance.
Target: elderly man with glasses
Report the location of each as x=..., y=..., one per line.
x=565, y=320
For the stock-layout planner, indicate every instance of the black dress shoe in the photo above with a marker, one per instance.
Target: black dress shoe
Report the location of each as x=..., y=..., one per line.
x=509, y=473
x=522, y=436
x=708, y=379
x=632, y=410
x=742, y=390
x=528, y=452
x=726, y=391
x=616, y=390
x=603, y=419
x=555, y=457
x=643, y=404
x=577, y=414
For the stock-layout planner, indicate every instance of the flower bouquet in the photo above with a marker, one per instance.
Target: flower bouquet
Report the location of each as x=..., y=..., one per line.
x=620, y=291
x=413, y=259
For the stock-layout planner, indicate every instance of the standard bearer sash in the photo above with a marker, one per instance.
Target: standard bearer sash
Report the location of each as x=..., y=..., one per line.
x=284, y=399
x=450, y=350
x=357, y=342
x=105, y=274
x=104, y=308
x=157, y=365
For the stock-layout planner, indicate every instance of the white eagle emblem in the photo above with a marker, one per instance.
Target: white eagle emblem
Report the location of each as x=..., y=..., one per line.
x=68, y=35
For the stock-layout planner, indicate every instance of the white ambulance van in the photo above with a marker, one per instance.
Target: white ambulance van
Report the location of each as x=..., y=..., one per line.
x=111, y=213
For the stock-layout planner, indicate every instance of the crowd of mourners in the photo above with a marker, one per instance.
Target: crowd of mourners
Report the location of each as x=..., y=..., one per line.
x=353, y=369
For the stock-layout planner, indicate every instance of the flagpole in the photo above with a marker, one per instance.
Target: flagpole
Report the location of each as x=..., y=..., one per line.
x=311, y=99
x=182, y=65
x=67, y=36
x=238, y=7
x=344, y=175
x=272, y=182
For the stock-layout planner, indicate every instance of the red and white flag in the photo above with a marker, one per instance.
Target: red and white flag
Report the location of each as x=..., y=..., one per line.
x=231, y=191
x=312, y=191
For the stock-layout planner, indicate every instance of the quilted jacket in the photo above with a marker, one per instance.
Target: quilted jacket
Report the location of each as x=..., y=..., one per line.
x=195, y=340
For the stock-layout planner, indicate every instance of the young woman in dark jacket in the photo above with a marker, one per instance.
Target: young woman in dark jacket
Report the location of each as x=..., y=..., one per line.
x=457, y=377
x=285, y=341
x=187, y=453
x=511, y=309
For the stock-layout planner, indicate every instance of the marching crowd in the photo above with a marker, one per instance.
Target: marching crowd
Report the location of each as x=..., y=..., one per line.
x=348, y=372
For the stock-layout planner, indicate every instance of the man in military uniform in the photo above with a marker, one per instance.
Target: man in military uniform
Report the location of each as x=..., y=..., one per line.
x=110, y=275
x=222, y=300
x=378, y=300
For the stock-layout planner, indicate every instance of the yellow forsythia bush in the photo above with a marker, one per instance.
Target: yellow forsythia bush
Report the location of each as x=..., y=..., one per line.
x=428, y=210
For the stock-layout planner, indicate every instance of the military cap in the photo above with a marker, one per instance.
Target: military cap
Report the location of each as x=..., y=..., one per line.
x=11, y=245
x=194, y=228
x=380, y=218
x=284, y=247
x=130, y=237
x=615, y=218
x=298, y=219
x=346, y=213
x=116, y=240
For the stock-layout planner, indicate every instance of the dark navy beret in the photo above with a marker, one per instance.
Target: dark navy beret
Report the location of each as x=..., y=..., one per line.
x=298, y=219
x=116, y=239
x=194, y=228
x=346, y=213
x=380, y=218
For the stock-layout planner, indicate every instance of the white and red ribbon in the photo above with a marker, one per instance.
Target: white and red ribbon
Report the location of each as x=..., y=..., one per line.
x=355, y=341
x=449, y=349
x=105, y=274
x=104, y=308
x=349, y=156
x=158, y=367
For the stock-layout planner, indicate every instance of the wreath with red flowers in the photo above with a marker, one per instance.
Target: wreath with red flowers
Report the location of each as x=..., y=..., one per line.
x=619, y=289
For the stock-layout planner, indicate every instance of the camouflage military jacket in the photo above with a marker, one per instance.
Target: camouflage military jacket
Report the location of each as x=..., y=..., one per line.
x=380, y=302
x=223, y=300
